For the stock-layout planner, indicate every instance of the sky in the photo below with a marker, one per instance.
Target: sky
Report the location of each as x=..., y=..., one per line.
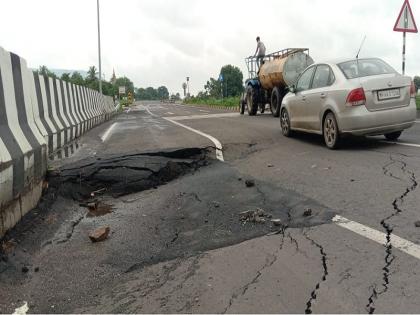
x=161, y=42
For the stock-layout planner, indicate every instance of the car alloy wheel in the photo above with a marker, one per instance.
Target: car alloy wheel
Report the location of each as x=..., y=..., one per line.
x=331, y=135
x=285, y=123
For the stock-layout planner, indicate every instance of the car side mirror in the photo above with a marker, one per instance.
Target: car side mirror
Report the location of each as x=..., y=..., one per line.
x=292, y=89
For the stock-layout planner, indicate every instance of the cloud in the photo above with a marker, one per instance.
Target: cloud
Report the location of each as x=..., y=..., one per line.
x=160, y=42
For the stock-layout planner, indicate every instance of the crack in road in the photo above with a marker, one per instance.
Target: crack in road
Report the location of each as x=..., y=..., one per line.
x=68, y=233
x=324, y=260
x=269, y=261
x=389, y=255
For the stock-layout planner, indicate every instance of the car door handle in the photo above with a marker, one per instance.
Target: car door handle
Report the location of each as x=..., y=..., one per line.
x=323, y=95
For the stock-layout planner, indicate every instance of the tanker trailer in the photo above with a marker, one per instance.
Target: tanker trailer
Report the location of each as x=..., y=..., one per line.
x=269, y=83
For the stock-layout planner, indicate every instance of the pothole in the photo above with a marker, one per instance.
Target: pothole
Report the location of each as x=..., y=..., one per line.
x=125, y=174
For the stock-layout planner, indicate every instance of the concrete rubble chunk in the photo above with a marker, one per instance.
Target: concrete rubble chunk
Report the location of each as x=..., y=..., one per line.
x=276, y=222
x=307, y=212
x=249, y=183
x=100, y=234
x=256, y=216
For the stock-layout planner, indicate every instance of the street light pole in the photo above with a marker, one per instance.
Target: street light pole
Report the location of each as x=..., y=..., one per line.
x=99, y=50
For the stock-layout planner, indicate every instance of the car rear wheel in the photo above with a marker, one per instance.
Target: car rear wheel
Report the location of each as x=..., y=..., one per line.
x=330, y=131
x=285, y=123
x=393, y=135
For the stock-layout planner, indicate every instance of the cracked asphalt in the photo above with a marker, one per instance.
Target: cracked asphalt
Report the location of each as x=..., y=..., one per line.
x=177, y=244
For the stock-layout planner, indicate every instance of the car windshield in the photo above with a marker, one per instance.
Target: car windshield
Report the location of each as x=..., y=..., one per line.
x=365, y=67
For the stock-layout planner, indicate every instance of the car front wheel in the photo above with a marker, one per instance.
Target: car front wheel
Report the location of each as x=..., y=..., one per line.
x=285, y=123
x=393, y=136
x=330, y=131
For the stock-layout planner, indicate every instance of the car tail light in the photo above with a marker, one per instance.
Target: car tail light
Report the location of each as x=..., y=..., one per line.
x=413, y=89
x=356, y=97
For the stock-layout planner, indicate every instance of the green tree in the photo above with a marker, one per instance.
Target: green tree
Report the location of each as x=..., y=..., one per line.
x=109, y=89
x=151, y=93
x=43, y=70
x=417, y=82
x=91, y=74
x=213, y=88
x=76, y=78
x=232, y=80
x=162, y=92
x=124, y=81
x=66, y=77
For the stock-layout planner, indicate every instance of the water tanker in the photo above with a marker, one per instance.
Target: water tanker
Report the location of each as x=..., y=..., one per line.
x=269, y=83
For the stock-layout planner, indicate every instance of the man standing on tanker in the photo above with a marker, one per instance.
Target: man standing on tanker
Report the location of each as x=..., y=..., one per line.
x=260, y=52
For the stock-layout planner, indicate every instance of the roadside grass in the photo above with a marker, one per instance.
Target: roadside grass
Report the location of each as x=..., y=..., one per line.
x=227, y=102
x=418, y=102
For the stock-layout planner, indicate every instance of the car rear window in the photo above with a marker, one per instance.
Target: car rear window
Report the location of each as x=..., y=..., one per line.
x=365, y=67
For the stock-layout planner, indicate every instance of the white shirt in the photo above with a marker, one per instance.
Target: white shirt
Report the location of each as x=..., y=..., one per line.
x=261, y=48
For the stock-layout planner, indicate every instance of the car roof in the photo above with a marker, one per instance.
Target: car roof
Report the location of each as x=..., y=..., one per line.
x=337, y=61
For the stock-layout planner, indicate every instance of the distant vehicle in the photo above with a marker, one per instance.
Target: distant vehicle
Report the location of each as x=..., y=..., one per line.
x=269, y=83
x=359, y=97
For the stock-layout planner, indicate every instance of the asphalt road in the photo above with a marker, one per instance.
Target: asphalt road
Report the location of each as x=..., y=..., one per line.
x=177, y=242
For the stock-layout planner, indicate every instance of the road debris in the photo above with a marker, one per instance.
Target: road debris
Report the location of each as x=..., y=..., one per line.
x=417, y=224
x=97, y=192
x=8, y=246
x=256, y=216
x=100, y=234
x=307, y=212
x=276, y=222
x=249, y=183
x=97, y=209
x=25, y=269
x=270, y=165
x=21, y=310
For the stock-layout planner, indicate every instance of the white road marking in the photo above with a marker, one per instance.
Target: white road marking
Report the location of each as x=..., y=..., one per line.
x=22, y=310
x=417, y=121
x=219, y=148
x=108, y=132
x=148, y=110
x=205, y=116
x=170, y=113
x=403, y=143
x=204, y=111
x=403, y=245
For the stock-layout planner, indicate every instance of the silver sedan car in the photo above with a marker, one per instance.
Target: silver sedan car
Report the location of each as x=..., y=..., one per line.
x=356, y=97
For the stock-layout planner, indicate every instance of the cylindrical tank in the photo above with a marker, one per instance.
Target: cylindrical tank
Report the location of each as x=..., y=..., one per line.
x=283, y=71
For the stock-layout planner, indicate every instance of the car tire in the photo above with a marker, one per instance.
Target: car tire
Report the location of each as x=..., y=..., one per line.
x=276, y=98
x=285, y=123
x=251, y=101
x=331, y=132
x=393, y=136
x=242, y=104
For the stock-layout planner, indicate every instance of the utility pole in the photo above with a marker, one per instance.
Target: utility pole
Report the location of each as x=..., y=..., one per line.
x=99, y=49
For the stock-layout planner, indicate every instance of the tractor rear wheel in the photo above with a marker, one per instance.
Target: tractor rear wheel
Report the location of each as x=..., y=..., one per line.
x=275, y=104
x=251, y=100
x=242, y=104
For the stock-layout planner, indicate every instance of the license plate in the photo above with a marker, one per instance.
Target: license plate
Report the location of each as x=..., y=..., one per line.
x=388, y=94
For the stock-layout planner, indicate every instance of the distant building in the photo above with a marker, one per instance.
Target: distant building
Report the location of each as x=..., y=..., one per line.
x=113, y=78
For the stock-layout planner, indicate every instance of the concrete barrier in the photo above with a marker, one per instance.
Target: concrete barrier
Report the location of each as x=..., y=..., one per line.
x=22, y=148
x=40, y=117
